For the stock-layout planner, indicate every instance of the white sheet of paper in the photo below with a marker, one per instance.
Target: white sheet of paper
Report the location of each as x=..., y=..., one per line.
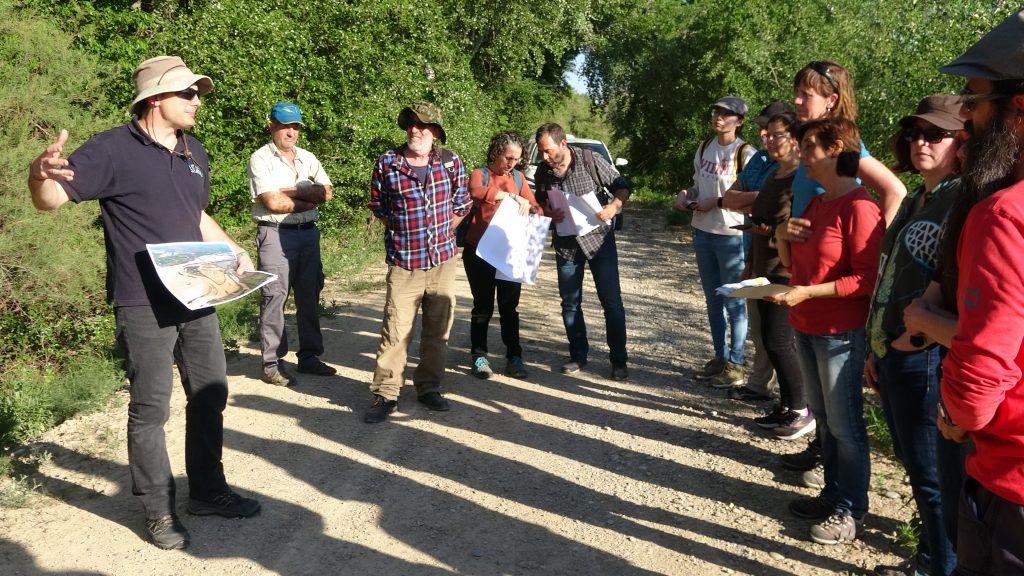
x=557, y=201
x=514, y=244
x=584, y=211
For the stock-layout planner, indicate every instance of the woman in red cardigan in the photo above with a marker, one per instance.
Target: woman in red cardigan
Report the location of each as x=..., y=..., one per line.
x=833, y=272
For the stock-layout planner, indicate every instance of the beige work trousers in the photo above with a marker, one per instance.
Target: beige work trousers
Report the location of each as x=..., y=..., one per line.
x=408, y=291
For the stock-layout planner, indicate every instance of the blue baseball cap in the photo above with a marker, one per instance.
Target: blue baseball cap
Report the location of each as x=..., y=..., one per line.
x=286, y=113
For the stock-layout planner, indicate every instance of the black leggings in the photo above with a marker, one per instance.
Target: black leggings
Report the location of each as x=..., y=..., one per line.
x=778, y=337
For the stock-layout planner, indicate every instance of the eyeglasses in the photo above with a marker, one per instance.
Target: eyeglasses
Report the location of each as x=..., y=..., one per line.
x=822, y=69
x=717, y=111
x=187, y=94
x=776, y=137
x=969, y=100
x=932, y=134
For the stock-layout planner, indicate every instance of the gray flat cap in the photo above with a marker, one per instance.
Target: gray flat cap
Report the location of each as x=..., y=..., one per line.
x=999, y=55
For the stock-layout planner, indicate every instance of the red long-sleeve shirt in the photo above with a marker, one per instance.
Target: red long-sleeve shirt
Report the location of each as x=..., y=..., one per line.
x=486, y=205
x=843, y=247
x=982, y=374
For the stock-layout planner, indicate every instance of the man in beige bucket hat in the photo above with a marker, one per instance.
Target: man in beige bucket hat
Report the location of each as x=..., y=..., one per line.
x=152, y=182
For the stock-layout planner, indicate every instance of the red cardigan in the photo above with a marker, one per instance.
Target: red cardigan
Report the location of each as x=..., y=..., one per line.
x=982, y=385
x=843, y=247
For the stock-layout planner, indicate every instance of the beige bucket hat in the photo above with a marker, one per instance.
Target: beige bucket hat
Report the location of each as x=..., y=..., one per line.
x=164, y=74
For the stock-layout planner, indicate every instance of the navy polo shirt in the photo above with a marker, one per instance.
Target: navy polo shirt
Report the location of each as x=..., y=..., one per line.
x=147, y=194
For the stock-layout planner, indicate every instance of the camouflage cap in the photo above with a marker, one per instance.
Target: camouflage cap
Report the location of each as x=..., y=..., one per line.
x=424, y=113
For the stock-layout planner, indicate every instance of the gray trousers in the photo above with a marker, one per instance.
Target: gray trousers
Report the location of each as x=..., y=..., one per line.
x=151, y=351
x=294, y=255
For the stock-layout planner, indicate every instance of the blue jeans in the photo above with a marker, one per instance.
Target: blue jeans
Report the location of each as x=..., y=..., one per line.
x=151, y=350
x=909, y=387
x=720, y=260
x=832, y=365
x=605, y=268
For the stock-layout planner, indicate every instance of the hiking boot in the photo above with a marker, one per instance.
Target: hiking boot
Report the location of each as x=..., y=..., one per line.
x=731, y=375
x=794, y=425
x=227, y=504
x=814, y=478
x=772, y=419
x=839, y=527
x=573, y=366
x=167, y=533
x=380, y=410
x=801, y=461
x=815, y=508
x=620, y=372
x=434, y=401
x=481, y=368
x=278, y=378
x=745, y=394
x=711, y=369
x=316, y=367
x=515, y=368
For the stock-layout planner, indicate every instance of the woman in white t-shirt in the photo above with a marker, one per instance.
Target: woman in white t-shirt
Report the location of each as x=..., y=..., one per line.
x=717, y=243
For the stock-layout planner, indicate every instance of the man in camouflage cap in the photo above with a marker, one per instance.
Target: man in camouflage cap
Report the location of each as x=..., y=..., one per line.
x=418, y=191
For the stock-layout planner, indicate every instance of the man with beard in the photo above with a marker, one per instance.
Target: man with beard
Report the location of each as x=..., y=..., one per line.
x=565, y=169
x=287, y=184
x=982, y=384
x=418, y=191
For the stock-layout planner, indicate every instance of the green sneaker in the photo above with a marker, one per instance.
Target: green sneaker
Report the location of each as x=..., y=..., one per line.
x=711, y=369
x=731, y=375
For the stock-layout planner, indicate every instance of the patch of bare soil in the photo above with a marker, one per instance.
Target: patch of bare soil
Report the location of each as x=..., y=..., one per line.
x=550, y=475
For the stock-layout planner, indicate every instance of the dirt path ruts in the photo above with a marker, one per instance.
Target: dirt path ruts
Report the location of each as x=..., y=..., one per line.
x=551, y=475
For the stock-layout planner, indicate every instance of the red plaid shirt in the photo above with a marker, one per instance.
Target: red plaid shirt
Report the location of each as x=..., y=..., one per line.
x=419, y=231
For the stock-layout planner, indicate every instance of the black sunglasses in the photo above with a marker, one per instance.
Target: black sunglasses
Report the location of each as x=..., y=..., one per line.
x=822, y=69
x=932, y=134
x=970, y=100
x=187, y=94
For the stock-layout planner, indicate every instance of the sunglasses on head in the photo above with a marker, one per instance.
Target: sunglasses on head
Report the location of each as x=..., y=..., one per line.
x=822, y=69
x=932, y=134
x=187, y=93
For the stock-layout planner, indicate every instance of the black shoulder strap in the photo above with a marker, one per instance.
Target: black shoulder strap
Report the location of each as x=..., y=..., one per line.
x=591, y=166
x=704, y=146
x=741, y=157
x=448, y=161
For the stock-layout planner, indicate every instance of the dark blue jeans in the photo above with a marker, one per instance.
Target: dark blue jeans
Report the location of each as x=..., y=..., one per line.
x=909, y=387
x=833, y=365
x=605, y=268
x=151, y=352
x=720, y=260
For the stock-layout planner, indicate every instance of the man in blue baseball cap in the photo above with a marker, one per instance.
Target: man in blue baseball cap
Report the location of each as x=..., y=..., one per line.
x=287, y=185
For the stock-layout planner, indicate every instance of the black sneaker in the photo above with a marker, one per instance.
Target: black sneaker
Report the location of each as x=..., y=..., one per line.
x=167, y=533
x=380, y=410
x=745, y=394
x=573, y=366
x=816, y=508
x=227, y=504
x=317, y=367
x=620, y=372
x=772, y=419
x=802, y=461
x=434, y=401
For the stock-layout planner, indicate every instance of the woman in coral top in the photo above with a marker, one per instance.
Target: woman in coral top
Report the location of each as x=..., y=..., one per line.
x=489, y=186
x=833, y=272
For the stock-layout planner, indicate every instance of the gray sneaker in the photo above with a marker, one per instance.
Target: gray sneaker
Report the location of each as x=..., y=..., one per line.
x=814, y=478
x=731, y=375
x=481, y=368
x=278, y=378
x=794, y=426
x=711, y=369
x=839, y=527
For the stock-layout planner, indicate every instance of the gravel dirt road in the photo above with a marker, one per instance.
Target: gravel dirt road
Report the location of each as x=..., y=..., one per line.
x=550, y=475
